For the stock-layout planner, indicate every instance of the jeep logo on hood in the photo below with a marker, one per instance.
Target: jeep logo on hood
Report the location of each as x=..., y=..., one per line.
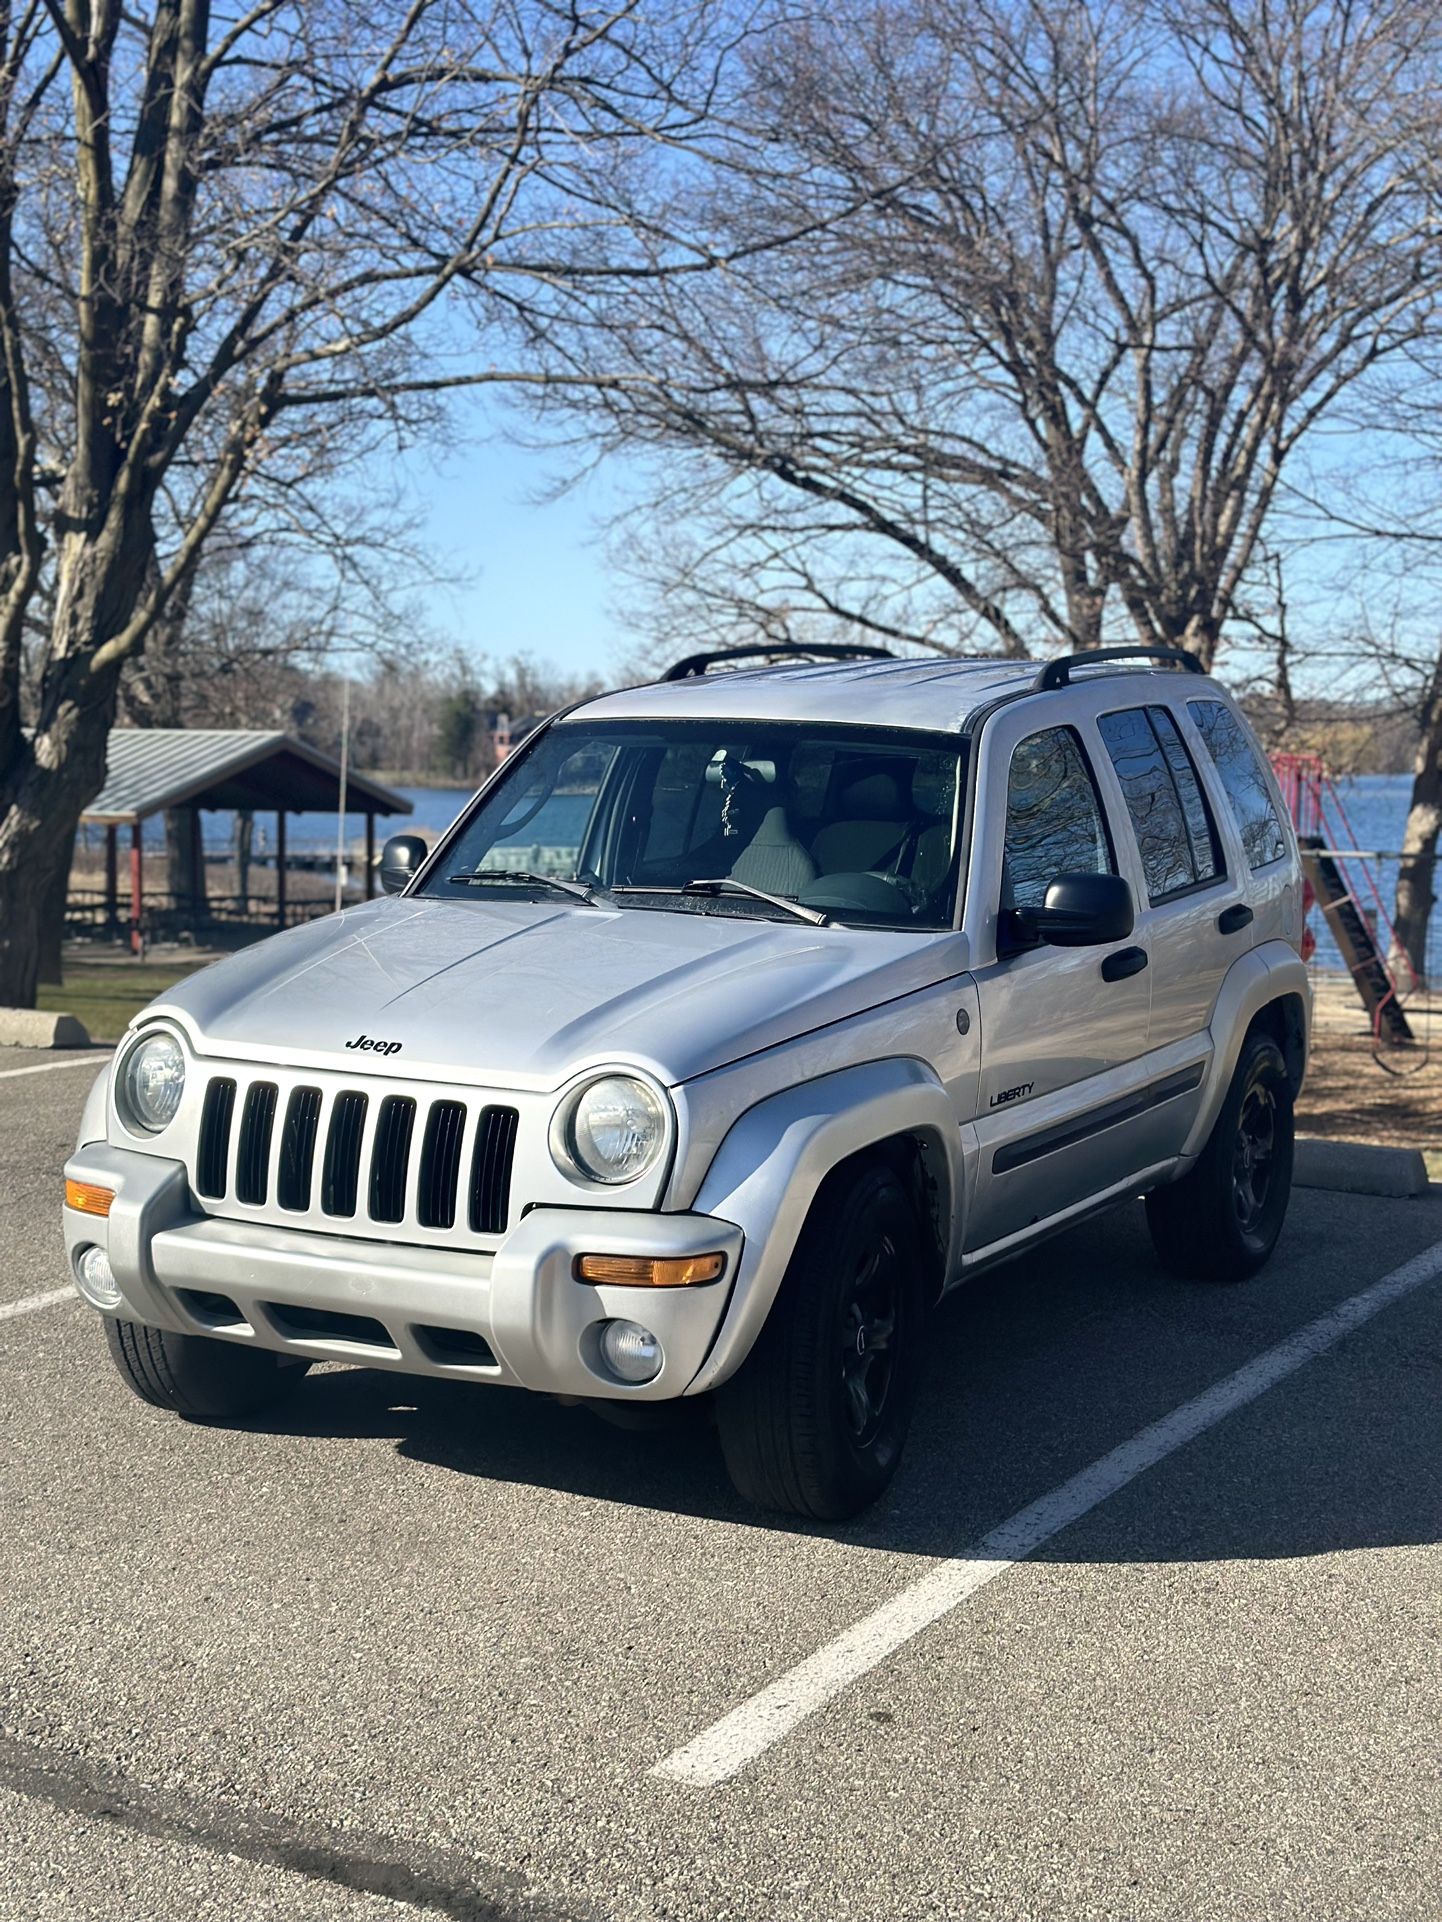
x=364, y=1042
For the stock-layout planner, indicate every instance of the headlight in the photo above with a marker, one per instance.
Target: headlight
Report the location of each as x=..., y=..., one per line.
x=152, y=1082
x=613, y=1130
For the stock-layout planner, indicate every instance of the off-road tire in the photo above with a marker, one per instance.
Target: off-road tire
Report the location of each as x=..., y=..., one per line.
x=794, y=1427
x=194, y=1376
x=1222, y=1220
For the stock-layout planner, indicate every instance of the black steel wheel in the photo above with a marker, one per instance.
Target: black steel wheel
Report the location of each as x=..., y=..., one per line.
x=1254, y=1155
x=814, y=1421
x=870, y=1307
x=1222, y=1220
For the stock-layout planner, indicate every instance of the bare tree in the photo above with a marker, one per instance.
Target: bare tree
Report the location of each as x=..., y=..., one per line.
x=225, y=235
x=1375, y=545
x=272, y=599
x=1078, y=279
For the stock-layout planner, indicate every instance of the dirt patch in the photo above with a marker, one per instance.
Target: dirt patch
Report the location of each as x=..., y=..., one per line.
x=1350, y=1097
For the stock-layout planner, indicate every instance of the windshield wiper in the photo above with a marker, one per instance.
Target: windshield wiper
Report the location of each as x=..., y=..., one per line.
x=724, y=884
x=578, y=890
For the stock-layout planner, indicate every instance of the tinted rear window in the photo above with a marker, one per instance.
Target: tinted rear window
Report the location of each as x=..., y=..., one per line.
x=1164, y=800
x=1240, y=767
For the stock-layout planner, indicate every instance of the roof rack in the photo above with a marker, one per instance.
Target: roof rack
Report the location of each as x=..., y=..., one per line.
x=697, y=664
x=1058, y=673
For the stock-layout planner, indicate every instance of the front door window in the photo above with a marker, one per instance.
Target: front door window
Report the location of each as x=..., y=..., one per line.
x=1054, y=819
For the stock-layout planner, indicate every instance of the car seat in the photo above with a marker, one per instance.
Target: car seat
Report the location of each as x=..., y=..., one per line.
x=872, y=818
x=772, y=858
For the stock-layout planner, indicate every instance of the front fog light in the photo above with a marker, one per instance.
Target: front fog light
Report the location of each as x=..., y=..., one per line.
x=96, y=1279
x=631, y=1352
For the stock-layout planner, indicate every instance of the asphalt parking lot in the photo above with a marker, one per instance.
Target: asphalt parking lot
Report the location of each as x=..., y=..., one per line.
x=417, y=1649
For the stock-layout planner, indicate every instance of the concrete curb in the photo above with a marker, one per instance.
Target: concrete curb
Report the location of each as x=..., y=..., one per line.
x=1358, y=1168
x=30, y=1028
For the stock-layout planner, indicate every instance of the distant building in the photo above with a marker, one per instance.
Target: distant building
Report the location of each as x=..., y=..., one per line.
x=503, y=733
x=497, y=726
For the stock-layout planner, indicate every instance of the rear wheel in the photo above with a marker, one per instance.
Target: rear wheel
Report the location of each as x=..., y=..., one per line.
x=1221, y=1221
x=194, y=1376
x=814, y=1421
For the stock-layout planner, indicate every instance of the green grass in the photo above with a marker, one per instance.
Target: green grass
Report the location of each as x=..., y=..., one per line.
x=106, y=994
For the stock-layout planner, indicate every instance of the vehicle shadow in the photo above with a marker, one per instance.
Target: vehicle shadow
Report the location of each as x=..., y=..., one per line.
x=1034, y=1372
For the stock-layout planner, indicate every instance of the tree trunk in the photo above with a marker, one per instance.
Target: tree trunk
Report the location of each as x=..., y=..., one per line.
x=50, y=776
x=52, y=921
x=40, y=809
x=1415, y=895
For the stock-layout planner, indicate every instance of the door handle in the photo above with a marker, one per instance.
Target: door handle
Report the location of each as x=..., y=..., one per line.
x=1125, y=962
x=1233, y=919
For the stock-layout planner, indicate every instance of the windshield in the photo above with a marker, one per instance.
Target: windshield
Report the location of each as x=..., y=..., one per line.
x=858, y=823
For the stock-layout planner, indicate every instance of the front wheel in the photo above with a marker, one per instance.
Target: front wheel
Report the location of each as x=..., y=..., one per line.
x=814, y=1420
x=1222, y=1220
x=195, y=1376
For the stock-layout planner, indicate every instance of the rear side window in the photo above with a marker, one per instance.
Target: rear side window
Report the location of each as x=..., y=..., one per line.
x=1054, y=819
x=1206, y=854
x=1164, y=799
x=1240, y=767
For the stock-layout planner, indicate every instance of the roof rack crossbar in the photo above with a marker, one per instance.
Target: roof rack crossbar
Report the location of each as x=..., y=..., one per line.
x=1058, y=673
x=697, y=664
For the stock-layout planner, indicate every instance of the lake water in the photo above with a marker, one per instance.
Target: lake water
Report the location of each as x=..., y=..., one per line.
x=432, y=810
x=1374, y=804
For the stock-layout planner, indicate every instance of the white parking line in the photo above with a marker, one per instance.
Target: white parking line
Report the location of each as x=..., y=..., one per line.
x=96, y=1060
x=725, y=1748
x=29, y=1304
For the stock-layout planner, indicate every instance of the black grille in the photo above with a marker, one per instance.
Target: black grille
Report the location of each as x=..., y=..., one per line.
x=440, y=1165
x=391, y=1157
x=252, y=1160
x=401, y=1177
x=214, y=1152
x=297, y=1149
x=491, y=1170
x=341, y=1179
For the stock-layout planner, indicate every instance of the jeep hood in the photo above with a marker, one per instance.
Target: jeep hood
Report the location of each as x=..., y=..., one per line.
x=525, y=993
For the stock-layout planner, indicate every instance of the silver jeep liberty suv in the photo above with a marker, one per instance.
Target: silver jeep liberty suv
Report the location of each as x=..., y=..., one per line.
x=736, y=1020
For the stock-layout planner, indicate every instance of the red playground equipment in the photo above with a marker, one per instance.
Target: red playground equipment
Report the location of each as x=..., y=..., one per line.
x=1340, y=879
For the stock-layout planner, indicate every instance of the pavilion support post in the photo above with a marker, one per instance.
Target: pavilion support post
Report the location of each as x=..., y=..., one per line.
x=370, y=855
x=112, y=880
x=198, y=899
x=280, y=867
x=137, y=891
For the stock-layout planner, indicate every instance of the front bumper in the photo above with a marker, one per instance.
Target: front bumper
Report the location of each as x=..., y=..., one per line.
x=517, y=1317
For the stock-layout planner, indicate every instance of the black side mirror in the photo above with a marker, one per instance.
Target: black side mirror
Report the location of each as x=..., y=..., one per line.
x=401, y=858
x=1080, y=911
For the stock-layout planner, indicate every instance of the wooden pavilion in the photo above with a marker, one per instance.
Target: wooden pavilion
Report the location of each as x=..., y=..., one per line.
x=152, y=770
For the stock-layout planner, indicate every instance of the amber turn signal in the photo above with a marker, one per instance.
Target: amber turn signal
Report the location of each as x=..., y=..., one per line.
x=86, y=1198
x=650, y=1271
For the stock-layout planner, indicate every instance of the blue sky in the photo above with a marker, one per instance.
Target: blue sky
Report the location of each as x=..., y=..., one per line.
x=536, y=580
